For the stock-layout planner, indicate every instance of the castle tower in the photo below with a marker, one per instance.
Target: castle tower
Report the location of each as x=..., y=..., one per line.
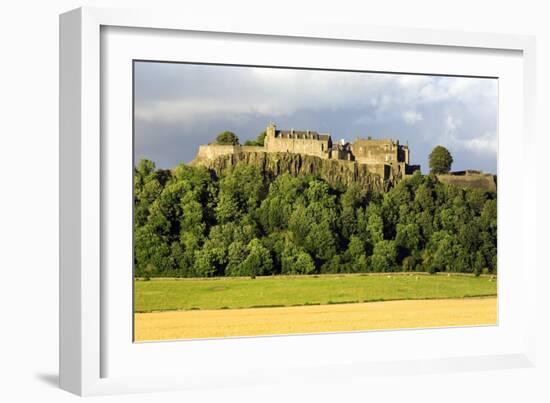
x=270, y=129
x=270, y=135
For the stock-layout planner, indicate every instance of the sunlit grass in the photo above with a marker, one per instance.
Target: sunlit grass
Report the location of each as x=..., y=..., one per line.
x=279, y=291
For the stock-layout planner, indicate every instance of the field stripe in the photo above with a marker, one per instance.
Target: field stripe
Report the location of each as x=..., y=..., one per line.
x=279, y=291
x=316, y=318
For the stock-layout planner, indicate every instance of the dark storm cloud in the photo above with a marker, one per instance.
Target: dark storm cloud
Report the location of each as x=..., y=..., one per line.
x=180, y=106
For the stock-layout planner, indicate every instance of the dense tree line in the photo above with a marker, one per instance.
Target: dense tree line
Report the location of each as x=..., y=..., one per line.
x=189, y=223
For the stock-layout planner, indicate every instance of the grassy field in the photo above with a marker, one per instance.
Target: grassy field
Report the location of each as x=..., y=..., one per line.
x=406, y=314
x=292, y=291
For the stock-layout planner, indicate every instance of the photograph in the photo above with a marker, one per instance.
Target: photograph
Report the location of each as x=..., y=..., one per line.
x=273, y=200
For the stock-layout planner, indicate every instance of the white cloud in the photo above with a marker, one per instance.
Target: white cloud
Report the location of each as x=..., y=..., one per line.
x=459, y=137
x=413, y=81
x=486, y=144
x=412, y=117
x=268, y=91
x=188, y=111
x=213, y=91
x=451, y=123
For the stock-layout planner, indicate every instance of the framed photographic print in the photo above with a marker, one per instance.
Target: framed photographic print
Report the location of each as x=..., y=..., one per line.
x=237, y=198
x=296, y=231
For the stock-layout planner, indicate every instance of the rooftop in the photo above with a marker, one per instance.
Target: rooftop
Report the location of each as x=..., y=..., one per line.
x=303, y=134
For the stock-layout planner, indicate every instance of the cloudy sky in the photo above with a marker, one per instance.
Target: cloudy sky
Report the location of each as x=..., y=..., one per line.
x=180, y=106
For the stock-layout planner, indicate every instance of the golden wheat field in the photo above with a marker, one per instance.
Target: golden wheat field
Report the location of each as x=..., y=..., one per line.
x=315, y=318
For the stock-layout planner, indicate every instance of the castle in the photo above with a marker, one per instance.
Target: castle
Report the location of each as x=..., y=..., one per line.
x=384, y=157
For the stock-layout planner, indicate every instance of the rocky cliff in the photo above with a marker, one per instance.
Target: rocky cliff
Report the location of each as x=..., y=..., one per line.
x=335, y=172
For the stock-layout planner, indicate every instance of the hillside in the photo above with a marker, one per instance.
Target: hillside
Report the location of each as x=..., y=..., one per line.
x=335, y=172
x=471, y=180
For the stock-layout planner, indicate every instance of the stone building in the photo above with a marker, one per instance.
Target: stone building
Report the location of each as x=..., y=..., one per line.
x=386, y=152
x=385, y=157
x=297, y=142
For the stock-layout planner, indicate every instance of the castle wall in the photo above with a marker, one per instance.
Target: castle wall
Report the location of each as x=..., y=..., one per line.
x=213, y=151
x=338, y=154
x=403, y=154
x=317, y=148
x=375, y=151
x=483, y=181
x=380, y=169
x=252, y=149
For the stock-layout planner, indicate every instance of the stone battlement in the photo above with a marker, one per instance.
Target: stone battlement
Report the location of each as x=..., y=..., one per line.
x=470, y=179
x=213, y=151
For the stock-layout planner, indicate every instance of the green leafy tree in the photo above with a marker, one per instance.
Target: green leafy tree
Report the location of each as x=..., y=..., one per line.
x=408, y=240
x=205, y=263
x=356, y=254
x=351, y=200
x=190, y=222
x=228, y=208
x=440, y=160
x=228, y=138
x=296, y=261
x=275, y=243
x=476, y=198
x=148, y=185
x=384, y=257
x=185, y=259
x=337, y=264
x=375, y=225
x=489, y=216
x=237, y=254
x=152, y=253
x=440, y=252
x=284, y=195
x=259, y=140
x=321, y=242
x=258, y=262
x=211, y=260
x=313, y=224
x=241, y=192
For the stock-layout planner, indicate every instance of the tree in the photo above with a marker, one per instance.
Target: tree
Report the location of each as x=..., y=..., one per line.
x=408, y=238
x=295, y=260
x=258, y=262
x=440, y=160
x=237, y=254
x=275, y=210
x=439, y=254
x=375, y=225
x=353, y=198
x=241, y=191
x=191, y=222
x=227, y=137
x=152, y=253
x=258, y=142
x=356, y=254
x=384, y=257
x=204, y=263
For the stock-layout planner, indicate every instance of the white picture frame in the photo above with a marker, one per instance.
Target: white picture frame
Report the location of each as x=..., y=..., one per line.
x=88, y=332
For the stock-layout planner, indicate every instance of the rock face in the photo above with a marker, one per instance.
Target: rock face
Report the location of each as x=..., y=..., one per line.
x=335, y=172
